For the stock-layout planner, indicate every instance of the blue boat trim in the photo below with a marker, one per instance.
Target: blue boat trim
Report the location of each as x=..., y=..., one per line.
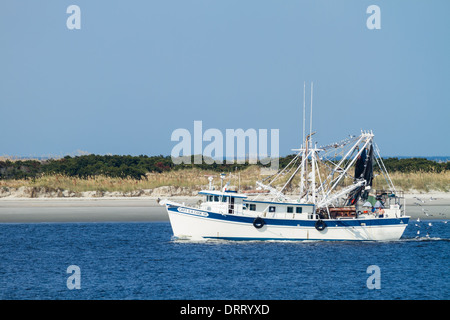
x=278, y=203
x=331, y=223
x=279, y=239
x=226, y=194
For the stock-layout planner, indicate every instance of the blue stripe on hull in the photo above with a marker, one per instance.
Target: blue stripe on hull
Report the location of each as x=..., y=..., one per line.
x=291, y=222
x=279, y=239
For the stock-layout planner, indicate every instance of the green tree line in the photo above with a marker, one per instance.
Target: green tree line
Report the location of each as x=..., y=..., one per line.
x=137, y=166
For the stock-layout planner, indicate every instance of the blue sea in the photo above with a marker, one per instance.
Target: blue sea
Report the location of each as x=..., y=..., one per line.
x=142, y=261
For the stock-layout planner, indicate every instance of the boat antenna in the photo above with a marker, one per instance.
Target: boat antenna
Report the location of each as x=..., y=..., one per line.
x=210, y=179
x=304, y=109
x=310, y=121
x=222, y=176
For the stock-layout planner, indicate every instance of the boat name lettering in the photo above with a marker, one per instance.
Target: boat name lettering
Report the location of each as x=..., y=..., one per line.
x=186, y=210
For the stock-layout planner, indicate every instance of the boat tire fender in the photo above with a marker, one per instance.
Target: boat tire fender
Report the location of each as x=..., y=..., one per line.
x=258, y=222
x=320, y=225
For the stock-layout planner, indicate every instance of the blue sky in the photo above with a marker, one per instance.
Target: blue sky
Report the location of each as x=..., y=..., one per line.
x=138, y=70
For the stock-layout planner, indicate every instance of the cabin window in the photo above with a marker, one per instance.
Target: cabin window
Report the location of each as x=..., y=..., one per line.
x=271, y=209
x=224, y=199
x=210, y=198
x=216, y=198
x=290, y=209
x=298, y=209
x=253, y=207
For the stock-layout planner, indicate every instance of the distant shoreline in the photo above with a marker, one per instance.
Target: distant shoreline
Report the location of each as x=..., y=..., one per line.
x=426, y=206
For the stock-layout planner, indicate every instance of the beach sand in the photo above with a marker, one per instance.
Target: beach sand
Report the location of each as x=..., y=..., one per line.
x=134, y=209
x=26, y=210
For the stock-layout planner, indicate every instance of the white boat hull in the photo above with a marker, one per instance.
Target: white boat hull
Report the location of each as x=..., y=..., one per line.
x=195, y=224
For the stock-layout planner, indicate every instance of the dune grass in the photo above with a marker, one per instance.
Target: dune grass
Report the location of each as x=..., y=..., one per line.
x=421, y=181
x=197, y=179
x=189, y=178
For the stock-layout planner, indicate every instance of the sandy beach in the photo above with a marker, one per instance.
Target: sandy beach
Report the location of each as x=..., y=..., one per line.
x=27, y=210
x=133, y=209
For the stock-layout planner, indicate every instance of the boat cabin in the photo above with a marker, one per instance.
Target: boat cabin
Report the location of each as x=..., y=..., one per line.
x=232, y=202
x=281, y=209
x=223, y=202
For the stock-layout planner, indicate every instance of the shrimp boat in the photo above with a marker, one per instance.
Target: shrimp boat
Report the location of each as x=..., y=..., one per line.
x=324, y=208
x=334, y=199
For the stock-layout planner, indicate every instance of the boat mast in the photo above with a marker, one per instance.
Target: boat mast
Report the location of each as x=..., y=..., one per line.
x=313, y=152
x=304, y=110
x=308, y=185
x=310, y=120
x=302, y=147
